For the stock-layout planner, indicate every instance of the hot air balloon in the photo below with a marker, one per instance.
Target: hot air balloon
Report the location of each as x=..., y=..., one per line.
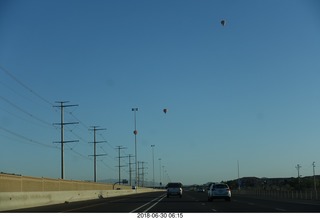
x=165, y=110
x=223, y=22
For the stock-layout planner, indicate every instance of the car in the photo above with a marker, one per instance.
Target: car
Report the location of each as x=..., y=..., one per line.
x=219, y=191
x=174, y=189
x=200, y=190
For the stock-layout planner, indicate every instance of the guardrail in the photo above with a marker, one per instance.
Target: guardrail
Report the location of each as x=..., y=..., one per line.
x=306, y=195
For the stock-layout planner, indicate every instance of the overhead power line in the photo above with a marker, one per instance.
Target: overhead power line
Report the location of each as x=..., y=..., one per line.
x=28, y=139
x=24, y=111
x=25, y=86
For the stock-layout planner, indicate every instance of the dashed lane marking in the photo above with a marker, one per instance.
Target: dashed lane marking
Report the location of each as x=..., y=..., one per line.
x=160, y=198
x=154, y=204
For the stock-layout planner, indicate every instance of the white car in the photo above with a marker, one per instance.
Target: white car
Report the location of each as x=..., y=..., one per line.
x=219, y=190
x=174, y=189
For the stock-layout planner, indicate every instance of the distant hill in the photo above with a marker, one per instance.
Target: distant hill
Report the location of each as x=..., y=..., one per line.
x=289, y=183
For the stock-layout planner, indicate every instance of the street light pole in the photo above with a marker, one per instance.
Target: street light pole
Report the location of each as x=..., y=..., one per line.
x=163, y=175
x=135, y=132
x=152, y=146
x=314, y=179
x=298, y=168
x=160, y=170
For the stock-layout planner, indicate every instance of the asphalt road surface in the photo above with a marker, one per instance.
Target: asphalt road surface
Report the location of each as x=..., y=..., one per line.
x=191, y=202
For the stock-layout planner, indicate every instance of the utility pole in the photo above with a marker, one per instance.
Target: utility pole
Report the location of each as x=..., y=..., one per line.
x=238, y=175
x=163, y=176
x=130, y=169
x=62, y=124
x=152, y=146
x=135, y=132
x=314, y=179
x=120, y=148
x=142, y=172
x=160, y=171
x=95, y=155
x=298, y=168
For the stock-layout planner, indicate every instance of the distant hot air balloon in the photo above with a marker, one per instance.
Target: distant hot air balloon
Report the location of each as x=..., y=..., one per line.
x=223, y=22
x=165, y=110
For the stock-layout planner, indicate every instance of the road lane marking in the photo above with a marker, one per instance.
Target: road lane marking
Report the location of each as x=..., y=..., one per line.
x=154, y=204
x=160, y=197
x=214, y=210
x=115, y=201
x=84, y=207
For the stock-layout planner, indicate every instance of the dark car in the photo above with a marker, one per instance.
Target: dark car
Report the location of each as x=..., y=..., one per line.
x=174, y=189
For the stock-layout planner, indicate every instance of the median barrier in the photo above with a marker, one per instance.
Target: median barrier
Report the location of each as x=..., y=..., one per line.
x=17, y=200
x=18, y=192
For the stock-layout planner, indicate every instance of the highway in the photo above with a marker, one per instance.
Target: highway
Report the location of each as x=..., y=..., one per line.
x=191, y=202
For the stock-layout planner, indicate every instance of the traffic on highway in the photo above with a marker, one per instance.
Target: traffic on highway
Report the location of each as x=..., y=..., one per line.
x=191, y=202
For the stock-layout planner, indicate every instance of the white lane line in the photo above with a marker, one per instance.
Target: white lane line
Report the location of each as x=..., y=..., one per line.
x=154, y=204
x=214, y=210
x=84, y=207
x=148, y=203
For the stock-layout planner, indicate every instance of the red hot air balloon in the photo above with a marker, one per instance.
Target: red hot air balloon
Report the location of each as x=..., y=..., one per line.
x=165, y=110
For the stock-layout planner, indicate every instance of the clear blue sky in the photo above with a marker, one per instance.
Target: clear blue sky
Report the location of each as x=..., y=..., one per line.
x=247, y=92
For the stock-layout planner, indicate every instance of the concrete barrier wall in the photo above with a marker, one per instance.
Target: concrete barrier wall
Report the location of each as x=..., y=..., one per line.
x=17, y=200
x=23, y=192
x=13, y=183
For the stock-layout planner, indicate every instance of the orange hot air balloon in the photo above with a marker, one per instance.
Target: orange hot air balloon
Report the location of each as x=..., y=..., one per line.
x=165, y=110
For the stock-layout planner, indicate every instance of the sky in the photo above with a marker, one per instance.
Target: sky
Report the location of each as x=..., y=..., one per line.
x=244, y=93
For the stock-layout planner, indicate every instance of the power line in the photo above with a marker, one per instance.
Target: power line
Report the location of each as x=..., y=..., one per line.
x=76, y=135
x=23, y=96
x=78, y=153
x=28, y=139
x=24, y=111
x=80, y=122
x=25, y=86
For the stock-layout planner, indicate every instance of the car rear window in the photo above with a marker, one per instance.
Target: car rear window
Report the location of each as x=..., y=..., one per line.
x=221, y=186
x=174, y=185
